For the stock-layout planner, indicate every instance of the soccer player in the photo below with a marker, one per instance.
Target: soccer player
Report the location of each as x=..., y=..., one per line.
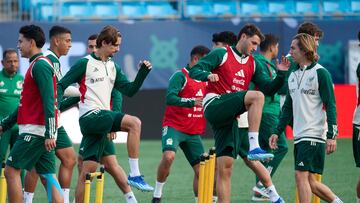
x=134, y=178
x=229, y=71
x=356, y=129
x=37, y=119
x=310, y=91
x=97, y=75
x=307, y=28
x=224, y=39
x=269, y=49
x=183, y=122
x=11, y=86
x=91, y=43
x=60, y=43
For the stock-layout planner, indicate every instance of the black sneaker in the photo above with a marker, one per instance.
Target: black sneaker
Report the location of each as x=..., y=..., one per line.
x=156, y=200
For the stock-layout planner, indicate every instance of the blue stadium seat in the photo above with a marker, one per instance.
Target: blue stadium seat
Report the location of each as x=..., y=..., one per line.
x=46, y=12
x=334, y=6
x=198, y=9
x=132, y=10
x=106, y=10
x=253, y=7
x=161, y=10
x=76, y=10
x=355, y=6
x=307, y=6
x=281, y=6
x=225, y=8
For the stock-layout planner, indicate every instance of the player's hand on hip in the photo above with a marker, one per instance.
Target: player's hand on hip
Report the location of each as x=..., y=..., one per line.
x=284, y=64
x=112, y=136
x=213, y=77
x=145, y=64
x=273, y=141
x=50, y=144
x=330, y=146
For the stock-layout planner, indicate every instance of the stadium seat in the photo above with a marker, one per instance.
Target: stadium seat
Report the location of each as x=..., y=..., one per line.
x=132, y=10
x=106, y=10
x=334, y=6
x=225, y=8
x=355, y=6
x=198, y=9
x=76, y=10
x=280, y=6
x=161, y=10
x=253, y=7
x=307, y=7
x=46, y=12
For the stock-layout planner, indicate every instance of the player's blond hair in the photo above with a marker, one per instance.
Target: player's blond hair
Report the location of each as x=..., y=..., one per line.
x=306, y=43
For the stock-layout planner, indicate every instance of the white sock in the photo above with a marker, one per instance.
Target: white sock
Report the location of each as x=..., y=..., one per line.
x=338, y=200
x=66, y=192
x=196, y=199
x=253, y=140
x=214, y=199
x=273, y=195
x=358, y=199
x=158, y=189
x=28, y=197
x=134, y=167
x=130, y=197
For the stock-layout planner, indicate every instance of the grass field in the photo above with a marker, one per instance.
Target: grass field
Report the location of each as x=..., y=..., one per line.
x=340, y=174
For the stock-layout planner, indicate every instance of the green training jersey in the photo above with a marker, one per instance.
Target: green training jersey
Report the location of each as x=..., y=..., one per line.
x=272, y=102
x=10, y=91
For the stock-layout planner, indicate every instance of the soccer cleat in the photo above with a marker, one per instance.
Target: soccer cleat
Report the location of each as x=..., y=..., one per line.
x=257, y=197
x=156, y=200
x=260, y=190
x=258, y=154
x=280, y=200
x=139, y=183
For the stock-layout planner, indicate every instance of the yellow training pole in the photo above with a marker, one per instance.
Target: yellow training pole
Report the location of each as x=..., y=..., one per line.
x=206, y=181
x=296, y=195
x=87, y=188
x=316, y=199
x=201, y=179
x=3, y=185
x=100, y=186
x=212, y=173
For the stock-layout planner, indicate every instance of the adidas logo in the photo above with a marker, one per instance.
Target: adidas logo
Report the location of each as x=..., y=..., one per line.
x=199, y=93
x=301, y=164
x=10, y=158
x=240, y=73
x=96, y=69
x=82, y=149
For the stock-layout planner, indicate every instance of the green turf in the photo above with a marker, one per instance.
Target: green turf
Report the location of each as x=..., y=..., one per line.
x=340, y=174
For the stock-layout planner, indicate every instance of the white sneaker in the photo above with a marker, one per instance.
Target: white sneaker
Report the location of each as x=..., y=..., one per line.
x=261, y=190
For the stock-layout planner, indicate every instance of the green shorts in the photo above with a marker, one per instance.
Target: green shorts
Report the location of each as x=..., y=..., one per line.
x=63, y=140
x=244, y=142
x=190, y=144
x=8, y=138
x=309, y=156
x=221, y=113
x=109, y=148
x=356, y=144
x=29, y=151
x=95, y=126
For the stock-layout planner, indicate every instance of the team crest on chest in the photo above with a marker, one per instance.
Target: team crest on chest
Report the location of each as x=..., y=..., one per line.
x=2, y=83
x=19, y=84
